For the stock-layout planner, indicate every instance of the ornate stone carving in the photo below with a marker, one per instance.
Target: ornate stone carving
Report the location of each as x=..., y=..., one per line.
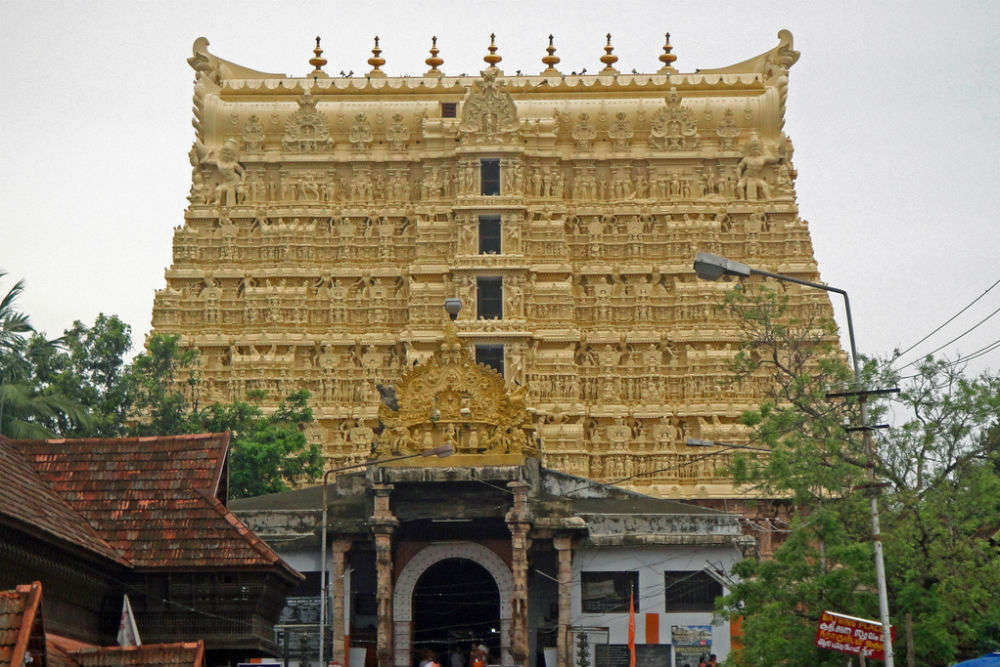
x=727, y=131
x=307, y=130
x=450, y=399
x=674, y=128
x=584, y=133
x=753, y=182
x=361, y=136
x=488, y=112
x=397, y=135
x=620, y=132
x=253, y=134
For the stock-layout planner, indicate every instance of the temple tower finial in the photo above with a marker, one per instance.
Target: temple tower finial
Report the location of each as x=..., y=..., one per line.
x=492, y=58
x=550, y=61
x=667, y=58
x=434, y=61
x=608, y=59
x=317, y=61
x=376, y=61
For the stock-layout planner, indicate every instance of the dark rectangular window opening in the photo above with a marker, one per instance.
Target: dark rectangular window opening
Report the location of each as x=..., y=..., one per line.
x=449, y=109
x=489, y=172
x=491, y=355
x=489, y=235
x=608, y=592
x=489, y=298
x=690, y=591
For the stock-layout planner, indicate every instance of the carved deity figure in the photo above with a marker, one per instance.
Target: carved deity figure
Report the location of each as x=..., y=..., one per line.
x=361, y=133
x=674, y=128
x=397, y=134
x=488, y=111
x=727, y=131
x=306, y=131
x=584, y=133
x=620, y=132
x=752, y=183
x=253, y=134
x=230, y=173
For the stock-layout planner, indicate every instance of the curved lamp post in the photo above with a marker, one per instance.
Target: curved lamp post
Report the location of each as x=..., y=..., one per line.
x=713, y=267
x=442, y=452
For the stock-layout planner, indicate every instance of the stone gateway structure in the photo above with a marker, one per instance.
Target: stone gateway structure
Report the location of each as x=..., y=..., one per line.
x=330, y=218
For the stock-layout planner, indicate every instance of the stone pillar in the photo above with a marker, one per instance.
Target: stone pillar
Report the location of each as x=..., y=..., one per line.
x=383, y=525
x=339, y=552
x=519, y=522
x=564, y=548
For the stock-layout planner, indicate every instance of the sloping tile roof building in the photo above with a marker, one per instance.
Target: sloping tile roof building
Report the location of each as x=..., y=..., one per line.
x=96, y=518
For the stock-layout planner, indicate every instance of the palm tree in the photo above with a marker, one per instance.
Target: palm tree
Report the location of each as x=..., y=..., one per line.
x=14, y=326
x=25, y=407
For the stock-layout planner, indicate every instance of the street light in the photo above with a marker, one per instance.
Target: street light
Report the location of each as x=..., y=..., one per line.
x=713, y=267
x=441, y=452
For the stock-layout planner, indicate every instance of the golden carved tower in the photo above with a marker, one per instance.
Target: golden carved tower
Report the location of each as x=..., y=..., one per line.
x=330, y=217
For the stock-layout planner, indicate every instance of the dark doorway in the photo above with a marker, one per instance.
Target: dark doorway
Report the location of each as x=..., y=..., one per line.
x=456, y=603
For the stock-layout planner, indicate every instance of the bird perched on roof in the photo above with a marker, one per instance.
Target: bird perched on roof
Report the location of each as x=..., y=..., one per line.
x=388, y=394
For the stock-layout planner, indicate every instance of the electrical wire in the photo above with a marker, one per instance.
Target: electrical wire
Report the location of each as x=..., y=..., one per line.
x=953, y=340
x=950, y=319
x=975, y=354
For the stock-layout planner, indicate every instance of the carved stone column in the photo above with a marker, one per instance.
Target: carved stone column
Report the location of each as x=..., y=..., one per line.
x=383, y=525
x=564, y=547
x=339, y=553
x=519, y=522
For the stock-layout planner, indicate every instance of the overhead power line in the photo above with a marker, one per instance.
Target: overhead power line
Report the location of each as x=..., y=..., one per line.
x=955, y=339
x=950, y=319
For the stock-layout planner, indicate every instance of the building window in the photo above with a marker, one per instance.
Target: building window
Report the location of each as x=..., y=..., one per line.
x=489, y=298
x=489, y=173
x=690, y=591
x=608, y=592
x=491, y=355
x=489, y=235
x=449, y=109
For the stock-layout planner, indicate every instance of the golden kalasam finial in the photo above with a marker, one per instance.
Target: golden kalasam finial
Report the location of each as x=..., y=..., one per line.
x=317, y=61
x=434, y=61
x=492, y=58
x=608, y=59
x=375, y=61
x=550, y=60
x=667, y=58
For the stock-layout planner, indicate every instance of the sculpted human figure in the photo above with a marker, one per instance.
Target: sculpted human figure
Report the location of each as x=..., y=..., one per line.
x=752, y=184
x=230, y=173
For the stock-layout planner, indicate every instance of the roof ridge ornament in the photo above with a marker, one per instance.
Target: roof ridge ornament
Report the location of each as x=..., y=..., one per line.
x=667, y=58
x=492, y=58
x=550, y=61
x=376, y=61
x=434, y=61
x=608, y=59
x=317, y=61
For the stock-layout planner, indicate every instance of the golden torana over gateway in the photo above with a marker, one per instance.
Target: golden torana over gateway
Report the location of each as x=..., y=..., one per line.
x=330, y=218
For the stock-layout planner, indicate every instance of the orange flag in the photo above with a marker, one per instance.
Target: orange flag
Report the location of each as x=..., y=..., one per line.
x=631, y=628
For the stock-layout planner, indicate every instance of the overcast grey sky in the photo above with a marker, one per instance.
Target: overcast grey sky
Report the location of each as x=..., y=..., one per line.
x=893, y=110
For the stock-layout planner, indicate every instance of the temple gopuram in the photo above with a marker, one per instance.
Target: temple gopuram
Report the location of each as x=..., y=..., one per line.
x=331, y=217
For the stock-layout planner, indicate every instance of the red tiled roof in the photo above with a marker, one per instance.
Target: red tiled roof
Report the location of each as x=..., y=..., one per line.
x=151, y=499
x=46, y=510
x=186, y=654
x=18, y=613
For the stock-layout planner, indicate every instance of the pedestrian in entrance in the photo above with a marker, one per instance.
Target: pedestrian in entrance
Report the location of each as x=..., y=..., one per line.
x=477, y=656
x=429, y=659
x=703, y=661
x=713, y=661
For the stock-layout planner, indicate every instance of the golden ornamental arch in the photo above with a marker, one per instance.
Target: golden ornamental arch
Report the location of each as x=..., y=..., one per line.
x=452, y=400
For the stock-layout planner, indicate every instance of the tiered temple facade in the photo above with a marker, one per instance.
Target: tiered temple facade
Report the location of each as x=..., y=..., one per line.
x=330, y=218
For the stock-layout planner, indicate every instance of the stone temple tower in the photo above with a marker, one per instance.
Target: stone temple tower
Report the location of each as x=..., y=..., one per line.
x=330, y=218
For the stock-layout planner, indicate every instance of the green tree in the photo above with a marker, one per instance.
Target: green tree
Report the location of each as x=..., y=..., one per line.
x=940, y=498
x=269, y=451
x=28, y=407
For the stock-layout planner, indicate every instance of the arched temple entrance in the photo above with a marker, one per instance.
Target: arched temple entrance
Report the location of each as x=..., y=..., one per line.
x=456, y=603
x=425, y=619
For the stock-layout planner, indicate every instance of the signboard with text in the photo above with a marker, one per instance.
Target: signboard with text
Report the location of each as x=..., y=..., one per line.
x=848, y=634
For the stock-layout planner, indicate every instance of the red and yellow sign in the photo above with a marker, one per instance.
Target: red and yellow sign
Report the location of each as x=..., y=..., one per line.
x=848, y=634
